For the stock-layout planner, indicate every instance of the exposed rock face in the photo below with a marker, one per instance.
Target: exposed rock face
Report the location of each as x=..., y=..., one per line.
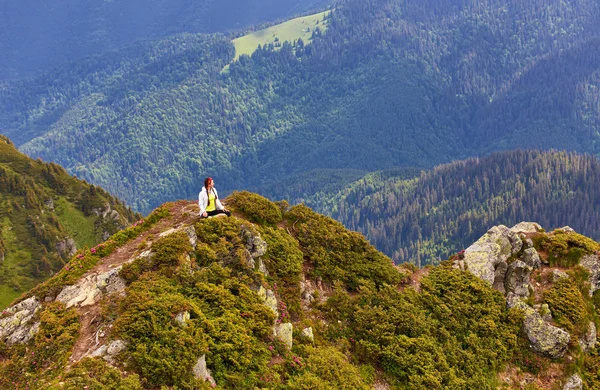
x=202, y=372
x=588, y=341
x=545, y=339
x=66, y=248
x=526, y=227
x=592, y=264
x=284, y=333
x=517, y=279
x=493, y=248
x=20, y=325
x=574, y=383
x=90, y=289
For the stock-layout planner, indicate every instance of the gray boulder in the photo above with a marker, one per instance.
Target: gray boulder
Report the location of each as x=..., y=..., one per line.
x=90, y=289
x=574, y=383
x=202, y=372
x=284, y=333
x=588, y=341
x=545, y=339
x=307, y=333
x=592, y=264
x=526, y=227
x=269, y=299
x=517, y=279
x=20, y=324
x=255, y=245
x=493, y=248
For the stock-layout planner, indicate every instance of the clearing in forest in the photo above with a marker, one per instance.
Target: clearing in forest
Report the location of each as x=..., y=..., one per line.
x=291, y=30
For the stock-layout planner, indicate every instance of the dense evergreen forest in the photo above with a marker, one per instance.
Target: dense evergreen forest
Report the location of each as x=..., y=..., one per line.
x=389, y=83
x=37, y=35
x=441, y=211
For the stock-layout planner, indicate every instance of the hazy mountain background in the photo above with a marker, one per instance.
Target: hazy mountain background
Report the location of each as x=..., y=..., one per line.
x=38, y=35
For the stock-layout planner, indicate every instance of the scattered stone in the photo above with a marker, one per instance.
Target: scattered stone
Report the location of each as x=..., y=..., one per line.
x=545, y=339
x=255, y=245
x=202, y=372
x=526, y=227
x=191, y=233
x=284, y=333
x=588, y=341
x=307, y=333
x=574, y=383
x=49, y=204
x=182, y=318
x=558, y=274
x=592, y=264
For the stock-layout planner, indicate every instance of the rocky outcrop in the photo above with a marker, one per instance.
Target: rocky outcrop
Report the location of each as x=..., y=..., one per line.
x=545, y=339
x=592, y=264
x=588, y=341
x=284, y=333
x=530, y=256
x=558, y=275
x=190, y=231
x=202, y=372
x=182, y=318
x=90, y=289
x=20, y=323
x=492, y=249
x=574, y=383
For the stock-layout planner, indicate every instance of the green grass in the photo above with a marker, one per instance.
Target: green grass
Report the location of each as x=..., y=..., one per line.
x=7, y=295
x=77, y=225
x=290, y=31
x=12, y=269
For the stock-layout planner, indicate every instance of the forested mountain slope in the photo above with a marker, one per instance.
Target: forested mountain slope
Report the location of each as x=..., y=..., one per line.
x=281, y=297
x=389, y=83
x=38, y=35
x=45, y=216
x=441, y=211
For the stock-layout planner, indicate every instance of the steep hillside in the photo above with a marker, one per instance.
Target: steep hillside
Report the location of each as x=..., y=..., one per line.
x=441, y=211
x=280, y=297
x=45, y=216
x=390, y=83
x=37, y=36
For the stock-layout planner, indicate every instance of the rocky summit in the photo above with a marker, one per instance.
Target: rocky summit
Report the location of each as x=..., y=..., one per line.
x=281, y=297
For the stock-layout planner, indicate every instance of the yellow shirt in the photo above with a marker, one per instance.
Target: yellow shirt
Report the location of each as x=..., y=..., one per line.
x=212, y=205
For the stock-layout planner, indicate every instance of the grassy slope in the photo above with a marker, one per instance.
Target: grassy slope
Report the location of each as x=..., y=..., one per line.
x=30, y=228
x=291, y=30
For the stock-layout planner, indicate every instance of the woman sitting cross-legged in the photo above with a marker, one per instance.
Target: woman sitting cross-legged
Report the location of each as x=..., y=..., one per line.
x=209, y=202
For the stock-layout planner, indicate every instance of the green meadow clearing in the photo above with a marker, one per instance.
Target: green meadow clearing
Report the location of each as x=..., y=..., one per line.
x=290, y=31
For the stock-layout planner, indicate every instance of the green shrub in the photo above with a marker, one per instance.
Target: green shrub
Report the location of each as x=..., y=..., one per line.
x=567, y=305
x=325, y=368
x=255, y=207
x=96, y=374
x=565, y=249
x=339, y=254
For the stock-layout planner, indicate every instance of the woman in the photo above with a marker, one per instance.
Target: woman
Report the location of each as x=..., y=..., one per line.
x=209, y=202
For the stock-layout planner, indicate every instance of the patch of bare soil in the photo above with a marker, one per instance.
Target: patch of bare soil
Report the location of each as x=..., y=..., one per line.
x=547, y=379
x=415, y=278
